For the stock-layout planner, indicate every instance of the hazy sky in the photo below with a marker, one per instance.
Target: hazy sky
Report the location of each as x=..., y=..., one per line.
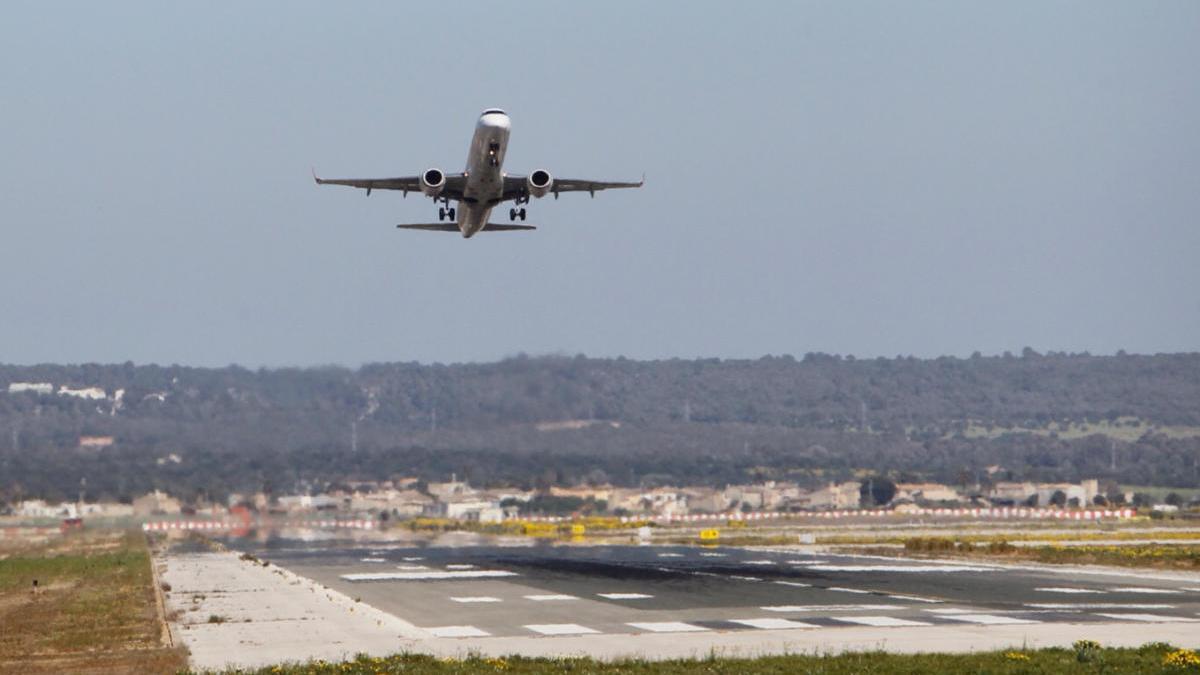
x=858, y=178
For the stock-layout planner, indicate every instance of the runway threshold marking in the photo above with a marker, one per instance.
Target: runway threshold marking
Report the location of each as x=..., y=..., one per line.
x=1146, y=590
x=1067, y=589
x=550, y=597
x=475, y=598
x=771, y=623
x=1096, y=605
x=428, y=575
x=797, y=584
x=462, y=566
x=373, y=560
x=625, y=596
x=881, y=621
x=848, y=590
x=828, y=608
x=987, y=619
x=561, y=629
x=668, y=627
x=901, y=568
x=916, y=598
x=714, y=555
x=458, y=631
x=1149, y=618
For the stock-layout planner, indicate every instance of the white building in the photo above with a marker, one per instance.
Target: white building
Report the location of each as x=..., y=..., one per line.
x=44, y=388
x=90, y=393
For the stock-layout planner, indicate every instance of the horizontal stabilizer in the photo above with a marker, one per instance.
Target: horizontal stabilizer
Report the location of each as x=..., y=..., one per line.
x=452, y=227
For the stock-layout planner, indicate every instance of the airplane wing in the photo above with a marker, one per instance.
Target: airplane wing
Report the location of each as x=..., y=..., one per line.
x=516, y=186
x=455, y=182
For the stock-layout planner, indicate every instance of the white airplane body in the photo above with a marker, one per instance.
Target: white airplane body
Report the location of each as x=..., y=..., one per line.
x=481, y=186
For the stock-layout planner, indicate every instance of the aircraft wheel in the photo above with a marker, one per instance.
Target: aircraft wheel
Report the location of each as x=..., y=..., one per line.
x=441, y=213
x=512, y=214
x=451, y=214
x=522, y=214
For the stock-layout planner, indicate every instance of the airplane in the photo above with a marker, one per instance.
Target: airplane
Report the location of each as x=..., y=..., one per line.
x=481, y=186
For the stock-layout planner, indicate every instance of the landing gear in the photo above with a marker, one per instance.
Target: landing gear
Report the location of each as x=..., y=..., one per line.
x=444, y=213
x=513, y=214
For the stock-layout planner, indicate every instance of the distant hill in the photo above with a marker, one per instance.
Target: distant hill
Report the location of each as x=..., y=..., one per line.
x=555, y=419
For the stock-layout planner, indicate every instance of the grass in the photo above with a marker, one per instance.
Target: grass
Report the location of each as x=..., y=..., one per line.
x=1084, y=657
x=1169, y=556
x=94, y=607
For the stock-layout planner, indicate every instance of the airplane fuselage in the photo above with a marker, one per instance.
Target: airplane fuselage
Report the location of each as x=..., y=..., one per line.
x=485, y=177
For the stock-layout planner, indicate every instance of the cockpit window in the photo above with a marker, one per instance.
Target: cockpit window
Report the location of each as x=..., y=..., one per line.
x=493, y=111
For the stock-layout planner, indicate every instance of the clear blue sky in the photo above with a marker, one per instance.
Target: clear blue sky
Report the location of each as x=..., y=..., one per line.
x=858, y=178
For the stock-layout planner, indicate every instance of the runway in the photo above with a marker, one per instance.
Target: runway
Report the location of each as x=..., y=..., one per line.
x=488, y=590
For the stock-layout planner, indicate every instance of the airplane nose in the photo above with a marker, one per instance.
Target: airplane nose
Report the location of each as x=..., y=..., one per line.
x=494, y=120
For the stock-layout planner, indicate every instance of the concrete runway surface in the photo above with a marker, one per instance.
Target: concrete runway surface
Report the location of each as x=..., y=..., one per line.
x=460, y=594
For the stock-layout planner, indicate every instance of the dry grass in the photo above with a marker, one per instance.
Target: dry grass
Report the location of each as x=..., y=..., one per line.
x=94, y=609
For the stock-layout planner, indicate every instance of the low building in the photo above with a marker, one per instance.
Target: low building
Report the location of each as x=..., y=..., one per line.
x=835, y=496
x=90, y=393
x=95, y=442
x=41, y=388
x=156, y=503
x=927, y=492
x=1009, y=492
x=600, y=493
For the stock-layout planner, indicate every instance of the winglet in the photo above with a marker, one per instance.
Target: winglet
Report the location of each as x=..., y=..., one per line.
x=315, y=177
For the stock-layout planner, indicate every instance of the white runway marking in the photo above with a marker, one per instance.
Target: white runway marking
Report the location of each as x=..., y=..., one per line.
x=1149, y=618
x=412, y=558
x=667, y=627
x=460, y=567
x=743, y=578
x=758, y=562
x=773, y=624
x=808, y=562
x=848, y=590
x=797, y=584
x=915, y=598
x=560, y=629
x=1063, y=589
x=1140, y=589
x=475, y=598
x=625, y=596
x=1190, y=589
x=550, y=596
x=373, y=560
x=1095, y=605
x=411, y=568
x=827, y=608
x=424, y=576
x=458, y=631
x=901, y=568
x=714, y=555
x=952, y=610
x=880, y=621
x=987, y=619
x=670, y=555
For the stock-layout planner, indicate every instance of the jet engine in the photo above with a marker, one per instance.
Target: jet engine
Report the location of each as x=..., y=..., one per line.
x=432, y=182
x=539, y=183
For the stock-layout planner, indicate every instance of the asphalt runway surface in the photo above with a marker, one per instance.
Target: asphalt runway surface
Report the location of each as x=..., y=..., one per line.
x=471, y=591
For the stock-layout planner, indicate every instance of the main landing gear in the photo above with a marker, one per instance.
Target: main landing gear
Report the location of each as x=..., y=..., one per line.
x=444, y=213
x=513, y=214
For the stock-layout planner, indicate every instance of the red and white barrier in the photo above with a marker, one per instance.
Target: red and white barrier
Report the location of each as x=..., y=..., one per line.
x=1005, y=512
x=210, y=525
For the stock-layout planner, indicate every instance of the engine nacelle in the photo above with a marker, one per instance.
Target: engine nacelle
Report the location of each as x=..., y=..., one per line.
x=432, y=182
x=539, y=183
